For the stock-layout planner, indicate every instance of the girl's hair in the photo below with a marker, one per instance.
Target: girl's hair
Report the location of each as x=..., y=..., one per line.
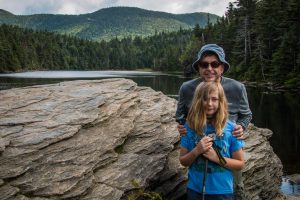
x=197, y=116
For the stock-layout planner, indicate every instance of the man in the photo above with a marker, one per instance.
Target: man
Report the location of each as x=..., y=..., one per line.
x=211, y=65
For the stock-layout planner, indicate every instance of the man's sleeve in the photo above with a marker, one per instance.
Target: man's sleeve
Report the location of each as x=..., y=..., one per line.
x=245, y=114
x=181, y=105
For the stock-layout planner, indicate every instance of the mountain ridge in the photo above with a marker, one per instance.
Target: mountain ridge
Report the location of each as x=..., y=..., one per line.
x=108, y=23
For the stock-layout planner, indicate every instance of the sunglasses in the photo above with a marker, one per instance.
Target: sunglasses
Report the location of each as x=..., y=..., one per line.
x=205, y=65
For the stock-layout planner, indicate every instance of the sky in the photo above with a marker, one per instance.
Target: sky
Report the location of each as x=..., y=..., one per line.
x=27, y=7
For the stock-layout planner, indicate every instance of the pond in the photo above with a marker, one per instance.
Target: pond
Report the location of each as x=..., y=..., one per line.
x=279, y=111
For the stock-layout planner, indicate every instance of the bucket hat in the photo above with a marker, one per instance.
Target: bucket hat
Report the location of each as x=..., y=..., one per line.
x=215, y=49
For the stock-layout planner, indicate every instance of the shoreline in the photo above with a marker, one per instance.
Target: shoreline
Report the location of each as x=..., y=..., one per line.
x=271, y=87
x=290, y=185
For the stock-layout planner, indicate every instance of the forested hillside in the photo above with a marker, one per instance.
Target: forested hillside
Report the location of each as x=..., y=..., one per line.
x=109, y=23
x=26, y=49
x=261, y=40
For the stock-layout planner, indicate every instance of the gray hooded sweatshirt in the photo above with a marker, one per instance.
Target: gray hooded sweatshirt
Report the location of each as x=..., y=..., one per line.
x=238, y=106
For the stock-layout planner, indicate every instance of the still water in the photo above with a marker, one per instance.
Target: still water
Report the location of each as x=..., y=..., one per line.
x=279, y=112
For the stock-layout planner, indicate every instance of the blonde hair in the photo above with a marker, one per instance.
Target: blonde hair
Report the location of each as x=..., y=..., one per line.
x=197, y=116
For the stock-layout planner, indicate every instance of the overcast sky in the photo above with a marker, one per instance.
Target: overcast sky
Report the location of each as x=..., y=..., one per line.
x=26, y=7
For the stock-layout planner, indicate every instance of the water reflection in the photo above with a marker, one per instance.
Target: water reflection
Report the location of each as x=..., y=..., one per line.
x=169, y=84
x=279, y=112
x=290, y=187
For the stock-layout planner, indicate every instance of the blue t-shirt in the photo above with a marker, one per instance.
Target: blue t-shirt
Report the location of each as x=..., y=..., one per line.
x=219, y=180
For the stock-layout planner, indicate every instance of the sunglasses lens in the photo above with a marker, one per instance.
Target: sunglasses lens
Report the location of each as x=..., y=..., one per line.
x=215, y=64
x=204, y=65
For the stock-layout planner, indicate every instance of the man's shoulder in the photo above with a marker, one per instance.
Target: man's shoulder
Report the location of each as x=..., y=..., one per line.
x=231, y=83
x=191, y=83
x=230, y=80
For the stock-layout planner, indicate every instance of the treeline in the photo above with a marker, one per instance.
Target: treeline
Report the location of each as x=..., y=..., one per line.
x=261, y=39
x=26, y=49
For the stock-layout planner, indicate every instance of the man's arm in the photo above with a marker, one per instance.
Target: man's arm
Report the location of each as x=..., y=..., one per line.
x=181, y=110
x=186, y=93
x=245, y=114
x=181, y=105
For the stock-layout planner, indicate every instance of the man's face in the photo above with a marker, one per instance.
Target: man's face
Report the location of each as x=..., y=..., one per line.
x=210, y=73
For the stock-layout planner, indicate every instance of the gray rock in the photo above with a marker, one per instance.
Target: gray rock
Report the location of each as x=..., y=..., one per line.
x=105, y=139
x=7, y=191
x=263, y=171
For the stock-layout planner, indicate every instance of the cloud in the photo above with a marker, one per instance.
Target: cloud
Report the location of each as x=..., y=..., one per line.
x=87, y=6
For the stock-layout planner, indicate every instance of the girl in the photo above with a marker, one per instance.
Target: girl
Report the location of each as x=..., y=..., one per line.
x=209, y=175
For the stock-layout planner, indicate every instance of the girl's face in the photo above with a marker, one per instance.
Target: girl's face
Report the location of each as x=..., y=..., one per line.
x=211, y=104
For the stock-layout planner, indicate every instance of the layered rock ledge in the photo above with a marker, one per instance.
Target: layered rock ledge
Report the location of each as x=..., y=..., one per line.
x=105, y=139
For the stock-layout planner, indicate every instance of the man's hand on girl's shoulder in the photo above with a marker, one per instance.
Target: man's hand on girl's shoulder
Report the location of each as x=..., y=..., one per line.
x=181, y=129
x=238, y=132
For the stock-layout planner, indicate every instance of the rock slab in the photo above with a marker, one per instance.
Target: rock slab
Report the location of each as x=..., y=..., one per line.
x=105, y=139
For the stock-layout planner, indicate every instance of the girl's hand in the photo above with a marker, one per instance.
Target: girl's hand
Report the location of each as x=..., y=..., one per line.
x=203, y=145
x=211, y=155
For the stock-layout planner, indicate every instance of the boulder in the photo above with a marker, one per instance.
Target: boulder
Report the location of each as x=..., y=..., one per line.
x=105, y=139
x=262, y=174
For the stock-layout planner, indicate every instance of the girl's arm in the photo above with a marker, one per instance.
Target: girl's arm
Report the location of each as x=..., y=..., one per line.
x=188, y=157
x=234, y=163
